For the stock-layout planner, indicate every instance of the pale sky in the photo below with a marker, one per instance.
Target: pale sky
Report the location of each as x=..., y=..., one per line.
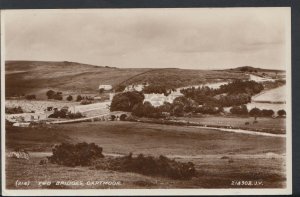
x=194, y=38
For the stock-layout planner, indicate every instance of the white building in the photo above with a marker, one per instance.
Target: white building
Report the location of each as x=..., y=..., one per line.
x=159, y=99
x=26, y=117
x=105, y=87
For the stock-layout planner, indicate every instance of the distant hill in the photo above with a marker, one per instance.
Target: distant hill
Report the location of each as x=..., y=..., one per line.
x=36, y=77
x=253, y=69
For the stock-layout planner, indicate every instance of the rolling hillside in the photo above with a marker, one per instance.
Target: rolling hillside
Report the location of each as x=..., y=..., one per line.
x=36, y=77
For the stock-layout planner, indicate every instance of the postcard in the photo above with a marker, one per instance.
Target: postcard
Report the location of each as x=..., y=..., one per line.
x=146, y=101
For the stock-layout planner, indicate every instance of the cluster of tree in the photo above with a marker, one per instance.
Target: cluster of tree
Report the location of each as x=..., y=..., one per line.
x=238, y=87
x=126, y=101
x=156, y=89
x=133, y=102
x=13, y=110
x=146, y=109
x=233, y=99
x=235, y=93
x=54, y=95
x=84, y=99
x=179, y=107
x=255, y=112
x=64, y=113
x=30, y=97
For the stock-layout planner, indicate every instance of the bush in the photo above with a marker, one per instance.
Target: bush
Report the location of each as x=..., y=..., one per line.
x=149, y=165
x=79, y=98
x=54, y=95
x=58, y=97
x=123, y=117
x=50, y=94
x=267, y=112
x=255, y=112
x=81, y=154
x=281, y=112
x=70, y=98
x=74, y=115
x=30, y=97
x=58, y=114
x=85, y=102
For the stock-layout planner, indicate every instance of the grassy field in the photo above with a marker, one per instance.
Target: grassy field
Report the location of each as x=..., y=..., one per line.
x=277, y=125
x=220, y=157
x=273, y=95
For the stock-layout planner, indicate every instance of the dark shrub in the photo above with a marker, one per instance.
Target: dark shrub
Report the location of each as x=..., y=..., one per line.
x=58, y=114
x=79, y=98
x=70, y=98
x=30, y=97
x=81, y=154
x=74, y=115
x=58, y=97
x=267, y=112
x=85, y=102
x=113, y=117
x=50, y=94
x=281, y=112
x=123, y=117
x=255, y=112
x=149, y=165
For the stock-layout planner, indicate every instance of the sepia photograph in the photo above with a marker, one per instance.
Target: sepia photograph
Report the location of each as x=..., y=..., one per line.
x=146, y=101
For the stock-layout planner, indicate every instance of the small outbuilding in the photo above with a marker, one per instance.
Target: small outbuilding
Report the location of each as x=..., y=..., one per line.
x=105, y=87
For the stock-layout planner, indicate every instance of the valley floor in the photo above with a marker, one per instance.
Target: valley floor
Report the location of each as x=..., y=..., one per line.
x=221, y=158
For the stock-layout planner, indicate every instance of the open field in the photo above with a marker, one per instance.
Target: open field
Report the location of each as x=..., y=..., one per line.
x=276, y=124
x=38, y=105
x=273, y=95
x=125, y=137
x=220, y=157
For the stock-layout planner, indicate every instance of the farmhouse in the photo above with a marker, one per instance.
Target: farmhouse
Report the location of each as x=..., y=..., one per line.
x=105, y=87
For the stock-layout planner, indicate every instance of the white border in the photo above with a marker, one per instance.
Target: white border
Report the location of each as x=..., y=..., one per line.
x=135, y=192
